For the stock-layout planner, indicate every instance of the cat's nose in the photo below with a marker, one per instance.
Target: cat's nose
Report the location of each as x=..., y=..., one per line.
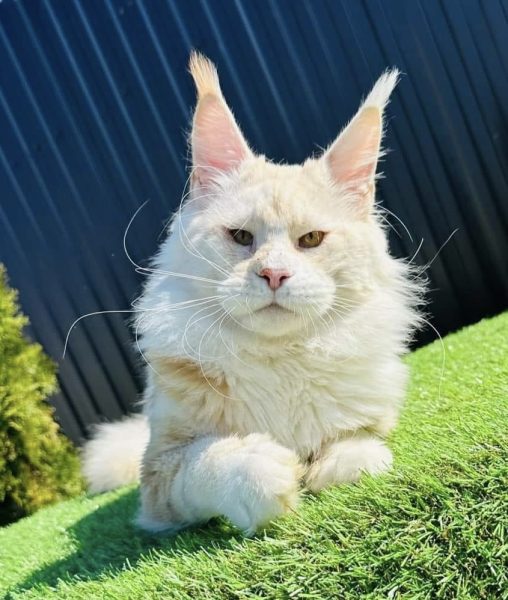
x=274, y=277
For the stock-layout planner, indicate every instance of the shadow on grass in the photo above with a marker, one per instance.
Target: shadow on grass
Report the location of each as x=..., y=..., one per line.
x=106, y=541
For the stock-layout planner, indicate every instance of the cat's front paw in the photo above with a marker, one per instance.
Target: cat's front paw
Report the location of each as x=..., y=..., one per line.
x=263, y=483
x=346, y=460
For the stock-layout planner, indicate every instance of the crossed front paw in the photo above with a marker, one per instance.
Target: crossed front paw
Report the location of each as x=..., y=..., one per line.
x=264, y=481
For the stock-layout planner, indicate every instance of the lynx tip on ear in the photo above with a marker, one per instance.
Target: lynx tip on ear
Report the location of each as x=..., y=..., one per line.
x=218, y=146
x=384, y=86
x=204, y=73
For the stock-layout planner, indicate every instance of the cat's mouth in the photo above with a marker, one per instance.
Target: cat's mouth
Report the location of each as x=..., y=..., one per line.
x=273, y=319
x=274, y=307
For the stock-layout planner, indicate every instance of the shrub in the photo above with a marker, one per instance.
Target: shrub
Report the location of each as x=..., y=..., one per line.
x=38, y=465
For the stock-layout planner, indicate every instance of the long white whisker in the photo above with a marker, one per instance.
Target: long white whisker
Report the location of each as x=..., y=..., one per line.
x=182, y=304
x=190, y=323
x=175, y=274
x=219, y=310
x=399, y=220
x=136, y=336
x=191, y=248
x=170, y=307
x=241, y=324
x=443, y=348
x=218, y=334
x=201, y=364
x=127, y=232
x=416, y=252
x=231, y=351
x=321, y=317
x=144, y=270
x=441, y=248
x=390, y=225
x=91, y=314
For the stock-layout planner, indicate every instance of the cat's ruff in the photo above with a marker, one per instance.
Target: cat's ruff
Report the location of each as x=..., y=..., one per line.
x=274, y=359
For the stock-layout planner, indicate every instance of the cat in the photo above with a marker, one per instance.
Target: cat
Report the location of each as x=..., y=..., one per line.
x=273, y=322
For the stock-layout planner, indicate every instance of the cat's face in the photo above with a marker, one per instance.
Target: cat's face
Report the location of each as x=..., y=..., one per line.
x=285, y=248
x=288, y=254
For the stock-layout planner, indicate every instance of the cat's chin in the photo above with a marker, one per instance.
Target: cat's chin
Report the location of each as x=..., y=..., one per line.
x=273, y=321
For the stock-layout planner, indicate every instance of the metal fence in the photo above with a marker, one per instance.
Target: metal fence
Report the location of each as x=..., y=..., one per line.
x=95, y=102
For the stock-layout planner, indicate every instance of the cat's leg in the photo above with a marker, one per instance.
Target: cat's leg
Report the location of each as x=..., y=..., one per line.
x=344, y=460
x=249, y=480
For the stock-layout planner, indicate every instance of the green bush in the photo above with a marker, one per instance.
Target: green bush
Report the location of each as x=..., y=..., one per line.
x=38, y=465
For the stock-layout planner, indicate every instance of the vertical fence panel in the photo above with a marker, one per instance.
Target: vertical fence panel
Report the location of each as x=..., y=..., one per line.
x=94, y=106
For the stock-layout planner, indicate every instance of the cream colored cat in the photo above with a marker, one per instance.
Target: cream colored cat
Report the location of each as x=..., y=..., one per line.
x=272, y=323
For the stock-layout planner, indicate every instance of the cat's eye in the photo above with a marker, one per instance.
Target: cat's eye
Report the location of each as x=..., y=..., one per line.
x=241, y=236
x=311, y=239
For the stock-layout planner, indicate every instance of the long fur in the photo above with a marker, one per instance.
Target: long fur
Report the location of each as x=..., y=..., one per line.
x=244, y=398
x=113, y=456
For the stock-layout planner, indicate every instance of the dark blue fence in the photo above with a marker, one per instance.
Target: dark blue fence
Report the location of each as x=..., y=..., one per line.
x=95, y=101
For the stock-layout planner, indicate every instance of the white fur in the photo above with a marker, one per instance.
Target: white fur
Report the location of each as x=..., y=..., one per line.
x=113, y=457
x=250, y=480
x=379, y=95
x=320, y=375
x=255, y=480
x=345, y=461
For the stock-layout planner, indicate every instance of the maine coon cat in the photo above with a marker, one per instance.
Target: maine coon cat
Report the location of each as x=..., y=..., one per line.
x=272, y=323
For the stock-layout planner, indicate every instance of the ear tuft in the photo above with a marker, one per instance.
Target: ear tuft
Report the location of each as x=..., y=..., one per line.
x=352, y=158
x=380, y=94
x=218, y=146
x=205, y=76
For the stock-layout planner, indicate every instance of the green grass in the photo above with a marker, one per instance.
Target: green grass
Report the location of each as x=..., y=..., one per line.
x=436, y=527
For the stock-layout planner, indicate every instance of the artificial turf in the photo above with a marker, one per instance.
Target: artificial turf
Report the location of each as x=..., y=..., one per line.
x=435, y=527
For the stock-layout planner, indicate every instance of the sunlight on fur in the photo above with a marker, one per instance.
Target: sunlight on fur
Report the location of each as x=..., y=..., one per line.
x=273, y=321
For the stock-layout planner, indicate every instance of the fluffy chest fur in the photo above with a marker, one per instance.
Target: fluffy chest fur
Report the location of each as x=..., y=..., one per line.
x=303, y=397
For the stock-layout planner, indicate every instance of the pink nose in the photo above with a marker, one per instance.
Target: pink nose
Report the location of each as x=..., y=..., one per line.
x=274, y=277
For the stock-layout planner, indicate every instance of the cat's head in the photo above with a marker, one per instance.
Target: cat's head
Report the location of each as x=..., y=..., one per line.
x=284, y=247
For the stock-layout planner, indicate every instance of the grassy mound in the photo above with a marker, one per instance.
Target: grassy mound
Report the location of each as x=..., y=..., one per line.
x=436, y=527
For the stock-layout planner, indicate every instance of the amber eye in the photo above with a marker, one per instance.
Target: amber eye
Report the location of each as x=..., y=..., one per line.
x=311, y=239
x=241, y=236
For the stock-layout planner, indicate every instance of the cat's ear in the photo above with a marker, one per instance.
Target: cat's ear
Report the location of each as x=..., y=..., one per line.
x=218, y=145
x=352, y=158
